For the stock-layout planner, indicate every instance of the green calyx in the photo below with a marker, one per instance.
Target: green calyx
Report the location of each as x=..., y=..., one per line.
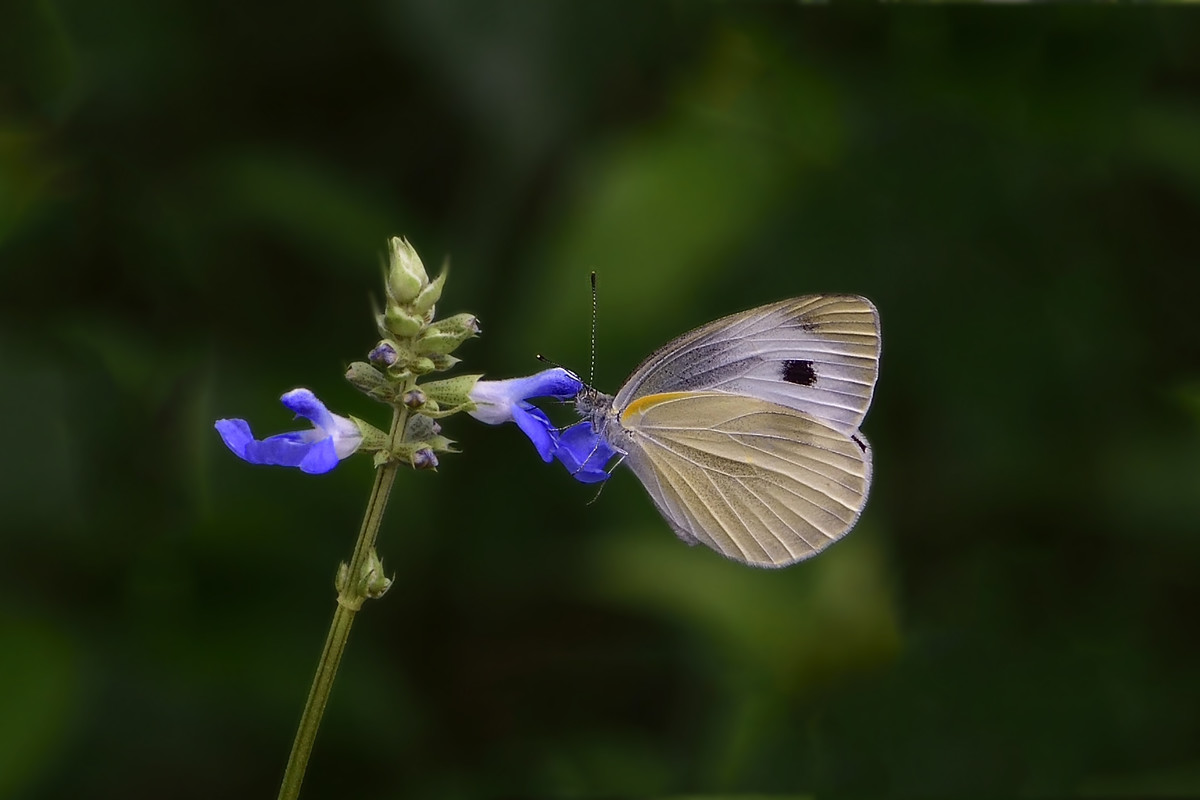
x=425, y=301
x=444, y=336
x=370, y=381
x=451, y=392
x=402, y=323
x=373, y=438
x=373, y=583
x=370, y=584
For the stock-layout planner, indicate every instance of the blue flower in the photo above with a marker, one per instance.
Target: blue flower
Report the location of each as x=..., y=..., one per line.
x=580, y=448
x=584, y=453
x=315, y=451
x=507, y=401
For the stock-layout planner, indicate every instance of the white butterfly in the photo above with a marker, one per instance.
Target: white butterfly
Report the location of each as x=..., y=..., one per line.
x=745, y=430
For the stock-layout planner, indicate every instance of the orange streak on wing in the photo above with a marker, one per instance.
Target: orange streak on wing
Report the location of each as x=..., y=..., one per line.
x=644, y=404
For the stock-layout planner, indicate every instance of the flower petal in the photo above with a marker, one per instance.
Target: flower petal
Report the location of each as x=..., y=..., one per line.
x=303, y=403
x=584, y=453
x=537, y=426
x=236, y=435
x=321, y=457
x=346, y=436
x=282, y=450
x=556, y=382
x=495, y=401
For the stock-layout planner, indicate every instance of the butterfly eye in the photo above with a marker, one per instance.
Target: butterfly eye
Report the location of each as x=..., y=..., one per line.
x=799, y=372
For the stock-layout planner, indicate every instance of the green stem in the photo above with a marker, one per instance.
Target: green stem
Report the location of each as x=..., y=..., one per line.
x=350, y=598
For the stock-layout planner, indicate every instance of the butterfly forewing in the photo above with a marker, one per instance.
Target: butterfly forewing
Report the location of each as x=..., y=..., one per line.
x=818, y=354
x=759, y=482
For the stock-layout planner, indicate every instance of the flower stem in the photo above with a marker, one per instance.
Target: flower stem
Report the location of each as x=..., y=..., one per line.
x=350, y=597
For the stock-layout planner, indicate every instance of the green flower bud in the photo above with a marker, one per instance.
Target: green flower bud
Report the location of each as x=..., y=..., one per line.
x=445, y=335
x=441, y=444
x=421, y=428
x=459, y=322
x=438, y=343
x=402, y=323
x=443, y=361
x=371, y=382
x=421, y=365
x=365, y=377
x=430, y=294
x=451, y=392
x=374, y=584
x=406, y=273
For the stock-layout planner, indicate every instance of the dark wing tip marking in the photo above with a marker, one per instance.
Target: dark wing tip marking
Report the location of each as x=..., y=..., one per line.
x=799, y=372
x=861, y=444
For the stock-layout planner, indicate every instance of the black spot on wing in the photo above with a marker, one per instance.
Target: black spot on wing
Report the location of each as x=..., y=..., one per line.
x=799, y=372
x=861, y=444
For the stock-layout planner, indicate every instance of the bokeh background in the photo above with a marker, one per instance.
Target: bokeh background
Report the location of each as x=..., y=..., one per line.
x=194, y=201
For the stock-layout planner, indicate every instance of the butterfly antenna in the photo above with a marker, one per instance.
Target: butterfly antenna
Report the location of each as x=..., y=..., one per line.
x=592, y=372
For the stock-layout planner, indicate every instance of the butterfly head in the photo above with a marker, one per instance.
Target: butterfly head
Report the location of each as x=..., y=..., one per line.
x=593, y=406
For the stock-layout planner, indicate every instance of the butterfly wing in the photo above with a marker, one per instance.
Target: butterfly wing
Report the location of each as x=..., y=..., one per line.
x=818, y=354
x=758, y=482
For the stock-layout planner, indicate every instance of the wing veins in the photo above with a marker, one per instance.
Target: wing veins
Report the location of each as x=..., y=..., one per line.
x=646, y=430
x=825, y=389
x=817, y=473
x=772, y=472
x=695, y=522
x=757, y=496
x=740, y=520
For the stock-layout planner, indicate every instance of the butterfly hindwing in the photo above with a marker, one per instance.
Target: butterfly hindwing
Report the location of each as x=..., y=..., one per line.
x=759, y=482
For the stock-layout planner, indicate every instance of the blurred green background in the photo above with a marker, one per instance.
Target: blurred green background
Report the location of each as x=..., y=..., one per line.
x=194, y=198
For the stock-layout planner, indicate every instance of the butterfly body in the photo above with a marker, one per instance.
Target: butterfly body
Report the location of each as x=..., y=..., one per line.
x=744, y=431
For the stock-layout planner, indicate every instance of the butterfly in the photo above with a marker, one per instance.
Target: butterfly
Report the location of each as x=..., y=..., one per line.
x=745, y=431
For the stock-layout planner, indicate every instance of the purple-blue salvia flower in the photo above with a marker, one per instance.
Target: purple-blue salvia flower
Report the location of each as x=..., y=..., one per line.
x=507, y=401
x=584, y=452
x=315, y=451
